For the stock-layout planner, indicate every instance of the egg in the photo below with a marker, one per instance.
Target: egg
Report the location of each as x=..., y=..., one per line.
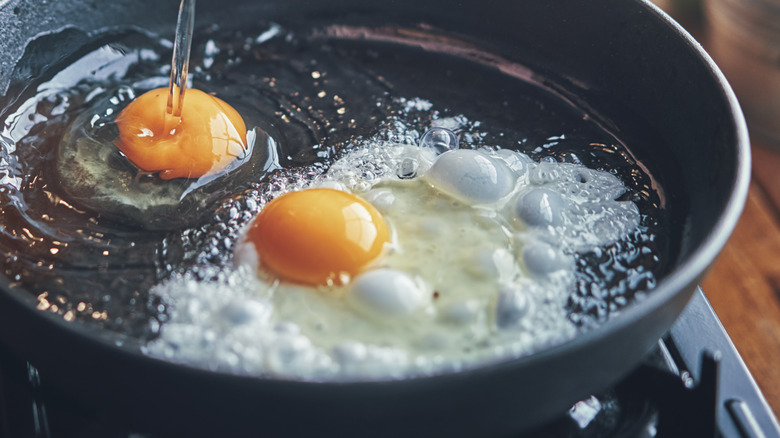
x=207, y=136
x=133, y=163
x=386, y=274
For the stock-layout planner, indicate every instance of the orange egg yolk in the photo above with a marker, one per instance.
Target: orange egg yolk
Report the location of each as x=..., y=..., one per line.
x=206, y=138
x=318, y=236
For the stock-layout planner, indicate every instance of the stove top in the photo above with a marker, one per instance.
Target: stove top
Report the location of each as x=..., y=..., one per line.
x=693, y=384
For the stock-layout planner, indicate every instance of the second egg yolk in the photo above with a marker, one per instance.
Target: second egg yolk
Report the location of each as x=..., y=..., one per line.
x=206, y=138
x=318, y=236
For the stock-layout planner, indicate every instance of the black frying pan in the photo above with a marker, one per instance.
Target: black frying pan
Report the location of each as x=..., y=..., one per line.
x=620, y=53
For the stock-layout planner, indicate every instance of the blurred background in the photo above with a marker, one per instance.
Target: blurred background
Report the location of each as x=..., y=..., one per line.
x=743, y=38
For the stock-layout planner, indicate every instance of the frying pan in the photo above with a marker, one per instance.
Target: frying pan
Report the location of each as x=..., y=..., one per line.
x=617, y=53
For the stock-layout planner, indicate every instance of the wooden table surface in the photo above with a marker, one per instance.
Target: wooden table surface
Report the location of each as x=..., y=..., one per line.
x=744, y=283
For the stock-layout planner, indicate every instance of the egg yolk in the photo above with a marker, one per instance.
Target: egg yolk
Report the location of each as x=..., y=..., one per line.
x=206, y=138
x=318, y=236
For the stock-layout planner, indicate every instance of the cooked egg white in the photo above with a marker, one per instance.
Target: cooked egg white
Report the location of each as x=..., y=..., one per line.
x=476, y=267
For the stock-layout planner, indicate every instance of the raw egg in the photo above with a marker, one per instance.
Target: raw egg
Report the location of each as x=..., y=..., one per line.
x=206, y=138
x=318, y=236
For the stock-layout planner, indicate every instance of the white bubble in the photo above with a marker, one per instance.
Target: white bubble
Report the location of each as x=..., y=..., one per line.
x=385, y=293
x=541, y=259
x=540, y=207
x=439, y=140
x=239, y=313
x=471, y=176
x=513, y=304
